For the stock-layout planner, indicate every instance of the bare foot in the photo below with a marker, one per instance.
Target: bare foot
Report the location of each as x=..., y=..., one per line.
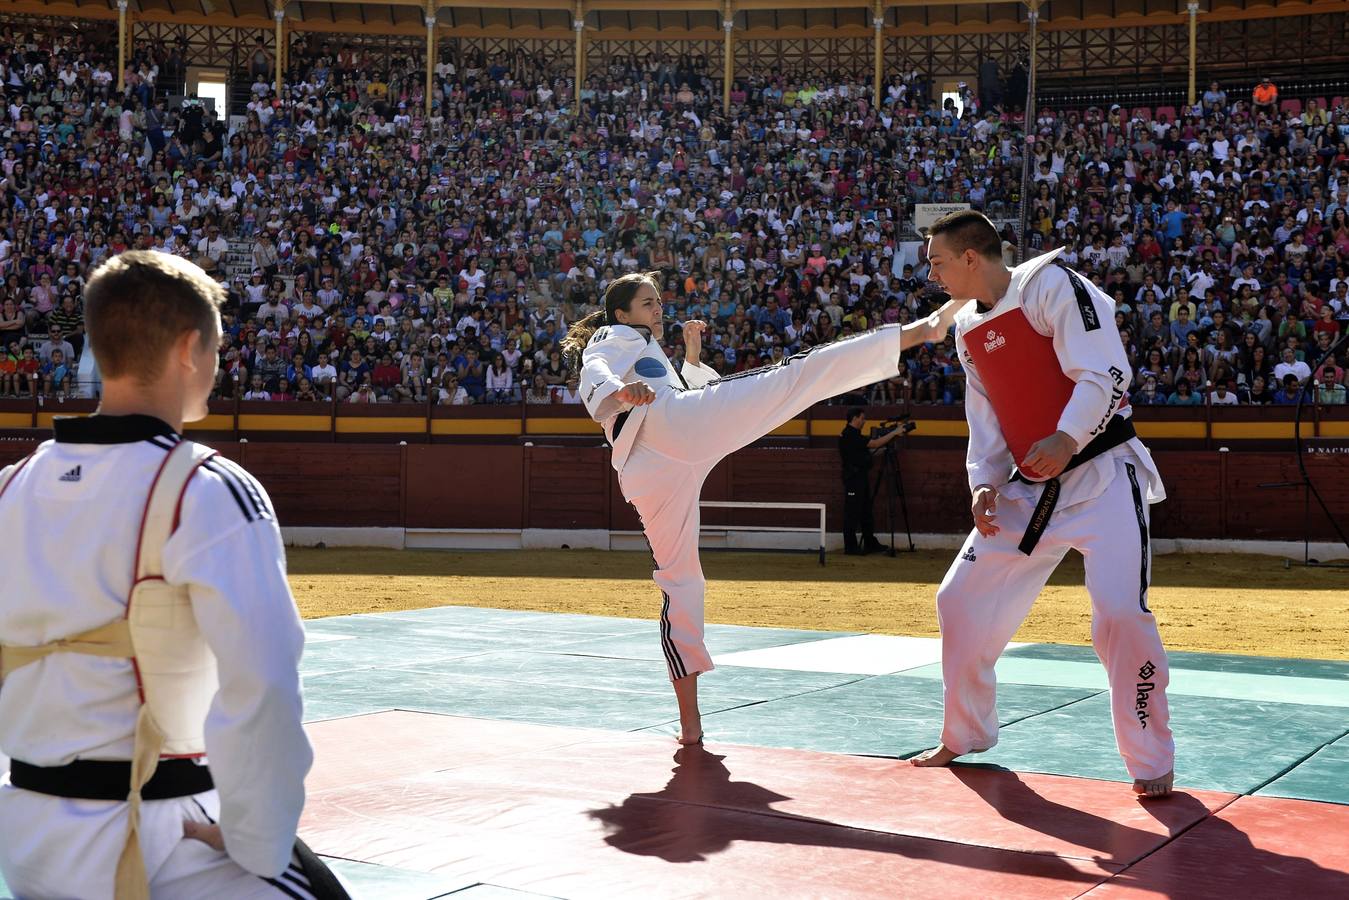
x=690, y=740
x=937, y=756
x=1155, y=787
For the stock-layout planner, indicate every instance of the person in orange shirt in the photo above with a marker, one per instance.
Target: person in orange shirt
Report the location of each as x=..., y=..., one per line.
x=1265, y=96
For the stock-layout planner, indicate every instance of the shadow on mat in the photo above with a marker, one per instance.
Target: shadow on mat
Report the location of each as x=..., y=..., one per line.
x=1215, y=859
x=687, y=822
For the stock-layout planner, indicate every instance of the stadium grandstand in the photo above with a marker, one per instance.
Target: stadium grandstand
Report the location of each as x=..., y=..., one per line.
x=410, y=203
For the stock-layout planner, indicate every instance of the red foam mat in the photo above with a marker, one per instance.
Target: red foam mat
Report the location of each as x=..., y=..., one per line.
x=1256, y=847
x=388, y=745
x=578, y=813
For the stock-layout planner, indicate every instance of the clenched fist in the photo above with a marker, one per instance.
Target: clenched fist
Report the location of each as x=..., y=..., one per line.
x=636, y=394
x=693, y=340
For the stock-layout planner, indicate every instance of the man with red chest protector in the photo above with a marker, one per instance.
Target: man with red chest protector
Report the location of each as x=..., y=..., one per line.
x=1054, y=464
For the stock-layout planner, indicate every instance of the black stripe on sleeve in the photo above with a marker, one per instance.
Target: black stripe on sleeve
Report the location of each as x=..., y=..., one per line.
x=236, y=490
x=255, y=491
x=294, y=895
x=296, y=877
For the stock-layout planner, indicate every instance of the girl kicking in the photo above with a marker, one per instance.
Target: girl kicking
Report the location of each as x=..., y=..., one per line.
x=669, y=429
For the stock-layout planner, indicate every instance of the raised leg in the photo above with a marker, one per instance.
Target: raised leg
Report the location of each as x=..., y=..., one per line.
x=705, y=425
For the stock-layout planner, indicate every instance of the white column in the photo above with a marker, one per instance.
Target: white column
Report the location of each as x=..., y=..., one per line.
x=280, y=53
x=727, y=57
x=121, y=45
x=1193, y=9
x=878, y=23
x=578, y=24
x=430, y=53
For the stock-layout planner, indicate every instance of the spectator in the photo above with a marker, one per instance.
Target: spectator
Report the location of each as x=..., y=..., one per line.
x=1291, y=365
x=1265, y=97
x=451, y=393
x=500, y=382
x=1184, y=395
x=1330, y=386
x=387, y=378
x=1288, y=392
x=257, y=390
x=789, y=214
x=211, y=249
x=1260, y=394
x=55, y=343
x=1221, y=396
x=306, y=392
x=1147, y=393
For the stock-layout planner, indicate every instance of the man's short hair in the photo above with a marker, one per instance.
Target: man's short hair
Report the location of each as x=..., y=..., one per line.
x=854, y=412
x=141, y=301
x=968, y=229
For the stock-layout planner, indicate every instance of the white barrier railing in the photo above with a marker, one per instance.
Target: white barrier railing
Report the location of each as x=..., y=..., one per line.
x=747, y=504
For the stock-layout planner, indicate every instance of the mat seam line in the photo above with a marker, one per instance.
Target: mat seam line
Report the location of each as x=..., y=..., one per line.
x=1024, y=718
x=1289, y=768
x=1170, y=840
x=750, y=703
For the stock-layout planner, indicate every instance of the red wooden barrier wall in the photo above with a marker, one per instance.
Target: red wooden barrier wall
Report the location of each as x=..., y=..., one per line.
x=1211, y=494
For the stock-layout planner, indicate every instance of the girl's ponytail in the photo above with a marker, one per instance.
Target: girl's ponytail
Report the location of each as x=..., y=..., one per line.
x=578, y=336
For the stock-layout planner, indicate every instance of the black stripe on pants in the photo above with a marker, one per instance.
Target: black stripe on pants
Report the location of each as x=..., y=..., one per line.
x=1146, y=547
x=672, y=659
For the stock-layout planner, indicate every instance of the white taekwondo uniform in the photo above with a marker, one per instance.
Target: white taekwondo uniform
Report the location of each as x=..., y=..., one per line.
x=664, y=451
x=73, y=514
x=1047, y=358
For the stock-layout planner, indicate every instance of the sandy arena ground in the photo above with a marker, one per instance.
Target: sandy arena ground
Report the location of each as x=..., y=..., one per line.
x=1224, y=603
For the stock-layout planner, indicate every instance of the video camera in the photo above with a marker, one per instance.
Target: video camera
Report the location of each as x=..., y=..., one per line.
x=884, y=427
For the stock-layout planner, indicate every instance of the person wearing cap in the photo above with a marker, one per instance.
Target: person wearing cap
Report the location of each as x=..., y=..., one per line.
x=1264, y=97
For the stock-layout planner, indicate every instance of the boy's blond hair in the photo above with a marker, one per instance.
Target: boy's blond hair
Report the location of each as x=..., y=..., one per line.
x=139, y=302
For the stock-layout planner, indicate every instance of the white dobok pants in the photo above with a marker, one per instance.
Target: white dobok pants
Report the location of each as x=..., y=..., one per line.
x=686, y=433
x=991, y=586
x=69, y=851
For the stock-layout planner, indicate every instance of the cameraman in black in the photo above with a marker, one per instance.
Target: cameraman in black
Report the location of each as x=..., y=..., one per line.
x=855, y=448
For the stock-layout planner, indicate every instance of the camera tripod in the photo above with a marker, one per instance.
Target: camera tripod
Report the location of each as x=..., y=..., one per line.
x=890, y=478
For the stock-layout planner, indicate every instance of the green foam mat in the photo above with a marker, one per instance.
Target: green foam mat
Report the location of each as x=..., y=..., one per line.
x=367, y=881
x=366, y=653
x=371, y=690
x=493, y=892
x=1223, y=745
x=1012, y=669
x=726, y=683
x=1324, y=777
x=1207, y=662
x=719, y=638
x=887, y=715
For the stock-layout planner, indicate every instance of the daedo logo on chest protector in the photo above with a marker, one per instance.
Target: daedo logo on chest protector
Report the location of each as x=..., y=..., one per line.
x=1145, y=687
x=993, y=341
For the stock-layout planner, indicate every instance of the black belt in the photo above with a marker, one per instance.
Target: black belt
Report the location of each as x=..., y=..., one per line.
x=618, y=425
x=1119, y=431
x=96, y=779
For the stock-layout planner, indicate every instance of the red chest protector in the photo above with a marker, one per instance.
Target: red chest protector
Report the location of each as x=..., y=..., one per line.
x=1021, y=375
x=1019, y=367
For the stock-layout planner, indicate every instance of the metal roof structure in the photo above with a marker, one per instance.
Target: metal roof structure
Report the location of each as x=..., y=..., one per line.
x=675, y=19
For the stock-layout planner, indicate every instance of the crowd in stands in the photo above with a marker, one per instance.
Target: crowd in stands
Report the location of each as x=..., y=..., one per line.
x=401, y=258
